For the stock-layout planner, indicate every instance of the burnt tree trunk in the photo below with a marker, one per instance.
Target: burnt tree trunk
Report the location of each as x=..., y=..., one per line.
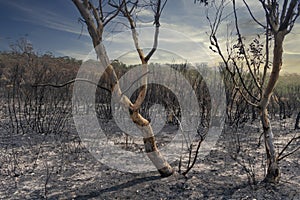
x=297, y=121
x=273, y=171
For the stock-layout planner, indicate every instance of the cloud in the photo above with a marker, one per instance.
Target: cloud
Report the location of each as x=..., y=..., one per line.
x=46, y=18
x=184, y=29
x=144, y=15
x=19, y=6
x=172, y=46
x=290, y=44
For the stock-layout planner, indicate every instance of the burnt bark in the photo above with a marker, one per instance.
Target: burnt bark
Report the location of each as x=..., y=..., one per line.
x=297, y=124
x=273, y=171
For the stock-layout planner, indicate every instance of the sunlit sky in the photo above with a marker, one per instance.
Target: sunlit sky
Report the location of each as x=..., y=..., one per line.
x=52, y=26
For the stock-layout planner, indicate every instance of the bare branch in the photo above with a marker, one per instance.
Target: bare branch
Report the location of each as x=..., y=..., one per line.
x=96, y=15
x=243, y=81
x=283, y=11
x=101, y=10
x=157, y=25
x=195, y=157
x=116, y=13
x=243, y=48
x=288, y=19
x=280, y=157
x=251, y=14
x=70, y=82
x=269, y=16
x=245, y=98
x=267, y=57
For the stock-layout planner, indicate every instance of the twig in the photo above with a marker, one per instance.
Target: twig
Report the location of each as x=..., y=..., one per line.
x=195, y=158
x=286, y=146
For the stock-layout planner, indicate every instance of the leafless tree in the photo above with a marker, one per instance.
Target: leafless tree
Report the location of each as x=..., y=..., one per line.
x=33, y=115
x=96, y=19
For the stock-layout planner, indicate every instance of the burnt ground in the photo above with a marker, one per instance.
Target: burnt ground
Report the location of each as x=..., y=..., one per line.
x=58, y=166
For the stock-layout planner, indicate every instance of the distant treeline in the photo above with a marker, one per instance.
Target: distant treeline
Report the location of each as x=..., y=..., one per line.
x=21, y=71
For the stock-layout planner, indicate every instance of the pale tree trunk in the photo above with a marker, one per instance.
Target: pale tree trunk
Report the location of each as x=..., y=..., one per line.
x=273, y=171
x=144, y=125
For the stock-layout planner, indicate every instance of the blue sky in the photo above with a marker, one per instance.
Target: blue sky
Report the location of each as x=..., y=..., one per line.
x=52, y=25
x=49, y=25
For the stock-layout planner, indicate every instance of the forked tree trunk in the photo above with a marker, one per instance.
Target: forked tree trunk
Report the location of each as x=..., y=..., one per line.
x=95, y=32
x=143, y=124
x=273, y=171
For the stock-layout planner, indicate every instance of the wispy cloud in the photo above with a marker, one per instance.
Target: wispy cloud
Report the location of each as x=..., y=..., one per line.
x=46, y=18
